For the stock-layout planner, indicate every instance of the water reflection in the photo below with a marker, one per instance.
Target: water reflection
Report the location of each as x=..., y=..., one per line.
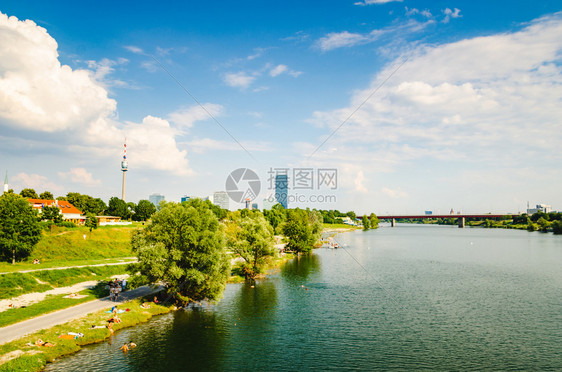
x=301, y=268
x=422, y=298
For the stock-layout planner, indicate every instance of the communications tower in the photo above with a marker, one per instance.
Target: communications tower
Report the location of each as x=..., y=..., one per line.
x=124, y=166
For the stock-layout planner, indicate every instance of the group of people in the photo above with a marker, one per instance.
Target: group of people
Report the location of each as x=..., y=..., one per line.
x=116, y=287
x=36, y=261
x=126, y=347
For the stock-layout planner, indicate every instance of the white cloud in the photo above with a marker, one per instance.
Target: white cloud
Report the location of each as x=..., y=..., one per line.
x=185, y=117
x=203, y=145
x=359, y=179
x=395, y=194
x=343, y=39
x=41, y=95
x=152, y=144
x=239, y=80
x=38, y=93
x=283, y=69
x=102, y=69
x=370, y=2
x=34, y=181
x=278, y=70
x=489, y=101
x=80, y=176
x=413, y=11
x=134, y=49
x=336, y=40
x=450, y=14
x=150, y=66
x=258, y=52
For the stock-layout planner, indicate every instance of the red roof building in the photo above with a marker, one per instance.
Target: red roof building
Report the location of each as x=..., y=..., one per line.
x=68, y=211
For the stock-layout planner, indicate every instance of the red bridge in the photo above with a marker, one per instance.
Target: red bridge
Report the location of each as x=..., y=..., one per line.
x=460, y=217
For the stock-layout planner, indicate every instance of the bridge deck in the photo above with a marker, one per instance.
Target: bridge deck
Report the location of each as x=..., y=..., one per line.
x=396, y=217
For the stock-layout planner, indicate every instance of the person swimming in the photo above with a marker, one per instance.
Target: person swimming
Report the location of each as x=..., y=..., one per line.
x=124, y=348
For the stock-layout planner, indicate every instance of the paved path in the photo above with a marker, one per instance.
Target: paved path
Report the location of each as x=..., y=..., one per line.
x=18, y=330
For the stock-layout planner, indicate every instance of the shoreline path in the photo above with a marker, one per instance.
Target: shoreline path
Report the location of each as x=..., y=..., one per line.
x=21, y=329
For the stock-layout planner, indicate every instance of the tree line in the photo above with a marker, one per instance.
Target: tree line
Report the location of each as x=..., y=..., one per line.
x=89, y=205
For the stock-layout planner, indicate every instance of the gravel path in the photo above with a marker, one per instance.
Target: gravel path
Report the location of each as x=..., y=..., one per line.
x=32, y=298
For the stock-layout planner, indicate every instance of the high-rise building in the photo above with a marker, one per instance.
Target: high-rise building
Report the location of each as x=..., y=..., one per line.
x=156, y=199
x=124, y=167
x=189, y=197
x=281, y=189
x=221, y=199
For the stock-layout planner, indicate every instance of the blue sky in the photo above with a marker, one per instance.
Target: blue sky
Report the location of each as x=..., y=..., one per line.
x=444, y=104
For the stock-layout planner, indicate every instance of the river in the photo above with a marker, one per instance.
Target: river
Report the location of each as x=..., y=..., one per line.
x=410, y=297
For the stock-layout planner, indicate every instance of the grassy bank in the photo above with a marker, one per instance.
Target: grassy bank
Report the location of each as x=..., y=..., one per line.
x=338, y=226
x=63, y=246
x=23, y=355
x=49, y=304
x=17, y=284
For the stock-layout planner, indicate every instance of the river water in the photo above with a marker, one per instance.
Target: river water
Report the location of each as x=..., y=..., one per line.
x=410, y=297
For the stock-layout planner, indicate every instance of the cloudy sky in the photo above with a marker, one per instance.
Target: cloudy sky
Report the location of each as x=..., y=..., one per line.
x=418, y=105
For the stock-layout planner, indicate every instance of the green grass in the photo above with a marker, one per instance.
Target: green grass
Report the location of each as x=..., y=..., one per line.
x=63, y=244
x=16, y=284
x=35, y=358
x=23, y=266
x=49, y=304
x=328, y=226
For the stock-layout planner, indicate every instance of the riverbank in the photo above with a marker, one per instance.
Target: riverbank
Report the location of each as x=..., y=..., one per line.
x=23, y=355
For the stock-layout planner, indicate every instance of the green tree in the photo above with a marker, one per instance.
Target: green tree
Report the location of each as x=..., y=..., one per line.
x=19, y=228
x=51, y=213
x=543, y=224
x=143, y=210
x=374, y=221
x=351, y=215
x=46, y=195
x=254, y=243
x=366, y=223
x=29, y=193
x=302, y=230
x=86, y=203
x=557, y=227
x=91, y=221
x=531, y=226
x=119, y=208
x=275, y=216
x=183, y=248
